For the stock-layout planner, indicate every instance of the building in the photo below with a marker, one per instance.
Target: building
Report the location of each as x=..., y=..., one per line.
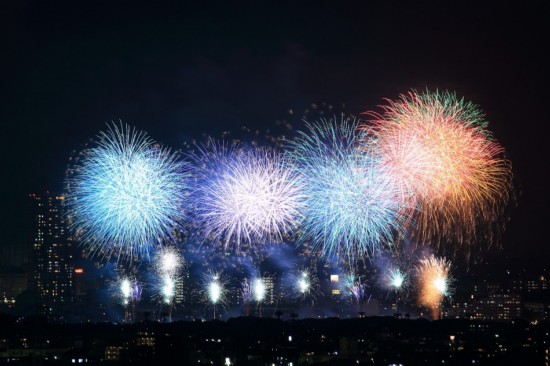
x=498, y=307
x=12, y=283
x=539, y=284
x=51, y=259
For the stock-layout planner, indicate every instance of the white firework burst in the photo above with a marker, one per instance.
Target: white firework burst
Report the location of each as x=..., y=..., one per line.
x=243, y=196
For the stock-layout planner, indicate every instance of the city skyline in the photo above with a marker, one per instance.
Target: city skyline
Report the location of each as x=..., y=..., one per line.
x=62, y=285
x=180, y=74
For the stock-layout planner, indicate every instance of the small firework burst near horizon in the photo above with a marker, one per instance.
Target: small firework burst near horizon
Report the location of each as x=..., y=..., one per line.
x=434, y=281
x=396, y=279
x=301, y=285
x=125, y=194
x=214, y=290
x=168, y=265
x=243, y=195
x=125, y=290
x=351, y=204
x=447, y=164
x=256, y=289
x=128, y=290
x=259, y=289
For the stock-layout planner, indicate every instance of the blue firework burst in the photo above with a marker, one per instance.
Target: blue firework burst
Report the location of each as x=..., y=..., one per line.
x=125, y=194
x=351, y=205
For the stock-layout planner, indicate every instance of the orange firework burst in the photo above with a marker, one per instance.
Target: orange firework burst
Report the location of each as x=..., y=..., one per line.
x=433, y=281
x=446, y=163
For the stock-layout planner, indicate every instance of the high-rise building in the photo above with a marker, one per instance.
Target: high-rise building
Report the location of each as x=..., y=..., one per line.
x=51, y=259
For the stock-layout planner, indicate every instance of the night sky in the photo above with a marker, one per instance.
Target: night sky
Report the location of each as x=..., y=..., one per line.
x=178, y=72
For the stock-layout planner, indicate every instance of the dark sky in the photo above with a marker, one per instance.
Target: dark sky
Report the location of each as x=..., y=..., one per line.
x=179, y=71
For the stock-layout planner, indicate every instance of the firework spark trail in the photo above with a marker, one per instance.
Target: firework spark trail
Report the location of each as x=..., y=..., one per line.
x=355, y=287
x=125, y=194
x=446, y=163
x=243, y=196
x=434, y=281
x=352, y=207
x=246, y=291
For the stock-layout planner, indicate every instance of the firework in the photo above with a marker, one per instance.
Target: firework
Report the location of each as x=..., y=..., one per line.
x=246, y=291
x=302, y=285
x=259, y=290
x=128, y=291
x=256, y=290
x=351, y=204
x=395, y=279
x=243, y=197
x=214, y=290
x=125, y=194
x=445, y=162
x=434, y=281
x=125, y=290
x=168, y=265
x=168, y=261
x=355, y=287
x=168, y=289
